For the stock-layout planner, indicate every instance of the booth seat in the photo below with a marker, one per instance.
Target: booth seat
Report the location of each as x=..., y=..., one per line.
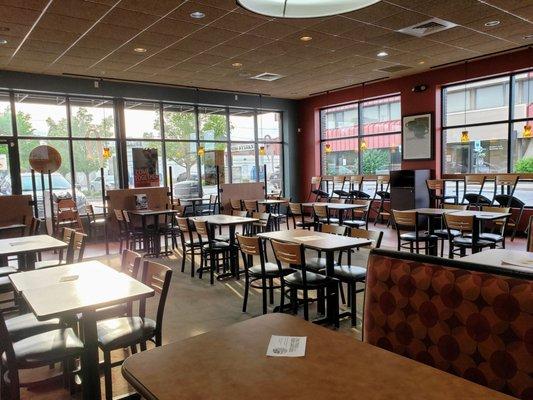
x=470, y=320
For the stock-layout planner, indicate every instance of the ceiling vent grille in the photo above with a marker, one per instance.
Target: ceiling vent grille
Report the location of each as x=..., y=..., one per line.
x=394, y=68
x=267, y=76
x=428, y=27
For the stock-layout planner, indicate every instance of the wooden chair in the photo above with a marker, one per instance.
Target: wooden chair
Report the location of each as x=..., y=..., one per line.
x=353, y=274
x=130, y=331
x=338, y=187
x=473, y=187
x=356, y=186
x=321, y=215
x=67, y=215
x=293, y=256
x=189, y=243
x=67, y=237
x=260, y=276
x=251, y=206
x=123, y=234
x=214, y=254
x=443, y=233
x=381, y=195
x=407, y=221
x=506, y=198
x=211, y=206
x=296, y=212
x=35, y=224
x=236, y=205
x=316, y=189
x=363, y=212
x=264, y=224
x=465, y=225
x=497, y=236
x=318, y=264
x=135, y=234
x=437, y=192
x=93, y=222
x=36, y=351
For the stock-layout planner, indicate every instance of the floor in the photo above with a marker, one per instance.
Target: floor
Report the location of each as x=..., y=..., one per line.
x=194, y=307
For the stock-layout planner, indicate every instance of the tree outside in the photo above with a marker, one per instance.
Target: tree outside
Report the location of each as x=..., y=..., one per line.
x=374, y=160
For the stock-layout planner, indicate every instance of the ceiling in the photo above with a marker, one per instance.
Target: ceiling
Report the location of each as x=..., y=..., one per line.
x=98, y=38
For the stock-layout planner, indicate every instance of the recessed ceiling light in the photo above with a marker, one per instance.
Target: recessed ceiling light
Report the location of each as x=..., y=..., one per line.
x=492, y=23
x=139, y=50
x=236, y=65
x=382, y=54
x=197, y=15
x=3, y=41
x=306, y=38
x=421, y=62
x=527, y=37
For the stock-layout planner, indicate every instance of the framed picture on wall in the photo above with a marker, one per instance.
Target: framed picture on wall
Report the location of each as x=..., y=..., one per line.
x=417, y=137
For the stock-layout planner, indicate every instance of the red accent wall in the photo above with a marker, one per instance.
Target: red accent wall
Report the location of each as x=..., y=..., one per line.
x=412, y=103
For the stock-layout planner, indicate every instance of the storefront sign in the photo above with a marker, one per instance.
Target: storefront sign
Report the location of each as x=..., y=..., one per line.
x=145, y=167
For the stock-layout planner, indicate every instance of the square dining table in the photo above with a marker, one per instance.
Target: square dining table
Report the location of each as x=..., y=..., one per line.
x=324, y=242
x=153, y=229
x=341, y=208
x=82, y=288
x=27, y=247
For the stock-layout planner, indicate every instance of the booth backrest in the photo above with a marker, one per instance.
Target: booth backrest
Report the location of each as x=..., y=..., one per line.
x=470, y=320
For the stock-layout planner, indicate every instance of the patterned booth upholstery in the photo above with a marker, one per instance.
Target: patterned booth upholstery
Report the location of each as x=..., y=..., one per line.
x=470, y=320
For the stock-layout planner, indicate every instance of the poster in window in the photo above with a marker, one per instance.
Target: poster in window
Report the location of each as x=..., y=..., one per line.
x=417, y=137
x=145, y=167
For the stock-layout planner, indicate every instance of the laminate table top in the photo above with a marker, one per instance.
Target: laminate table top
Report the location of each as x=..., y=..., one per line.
x=502, y=258
x=316, y=240
x=336, y=206
x=62, y=296
x=272, y=201
x=430, y=212
x=335, y=366
x=30, y=244
x=484, y=215
x=225, y=220
x=152, y=212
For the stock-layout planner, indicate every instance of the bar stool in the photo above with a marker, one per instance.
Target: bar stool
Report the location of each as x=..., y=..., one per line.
x=437, y=192
x=507, y=184
x=473, y=196
x=382, y=191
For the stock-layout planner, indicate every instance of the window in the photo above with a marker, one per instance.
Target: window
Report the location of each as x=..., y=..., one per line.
x=215, y=156
x=213, y=123
x=242, y=125
x=41, y=115
x=494, y=132
x=371, y=148
x=179, y=121
x=92, y=118
x=6, y=127
x=142, y=120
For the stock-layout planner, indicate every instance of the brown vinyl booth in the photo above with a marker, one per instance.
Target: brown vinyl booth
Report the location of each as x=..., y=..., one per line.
x=470, y=320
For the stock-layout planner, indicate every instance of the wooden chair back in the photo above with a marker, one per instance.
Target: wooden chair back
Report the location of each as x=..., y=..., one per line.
x=119, y=215
x=321, y=211
x=77, y=247
x=157, y=276
x=251, y=206
x=249, y=245
x=130, y=263
x=34, y=226
x=183, y=224
x=180, y=209
x=337, y=200
x=333, y=229
x=288, y=253
x=459, y=207
x=202, y=229
x=89, y=210
x=361, y=202
x=509, y=180
x=407, y=219
x=356, y=181
x=235, y=204
x=436, y=185
x=461, y=223
x=296, y=209
x=474, y=179
x=316, y=181
x=375, y=236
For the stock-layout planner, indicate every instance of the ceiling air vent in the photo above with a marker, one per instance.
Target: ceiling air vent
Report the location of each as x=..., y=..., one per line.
x=394, y=68
x=267, y=76
x=428, y=27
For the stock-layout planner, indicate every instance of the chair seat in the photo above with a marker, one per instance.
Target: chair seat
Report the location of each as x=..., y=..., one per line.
x=271, y=269
x=319, y=192
x=121, y=332
x=312, y=279
x=4, y=271
x=358, y=194
x=46, y=347
x=222, y=238
x=194, y=243
x=443, y=233
x=354, y=223
x=5, y=285
x=331, y=220
x=216, y=246
x=491, y=237
x=412, y=236
x=305, y=224
x=49, y=263
x=342, y=193
x=349, y=272
x=23, y=326
x=467, y=242
x=383, y=194
x=316, y=264
x=475, y=198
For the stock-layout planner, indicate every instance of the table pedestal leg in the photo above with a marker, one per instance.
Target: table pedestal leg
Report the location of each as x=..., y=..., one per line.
x=332, y=293
x=234, y=265
x=90, y=362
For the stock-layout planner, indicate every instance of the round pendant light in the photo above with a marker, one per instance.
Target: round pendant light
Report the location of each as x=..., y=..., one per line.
x=303, y=8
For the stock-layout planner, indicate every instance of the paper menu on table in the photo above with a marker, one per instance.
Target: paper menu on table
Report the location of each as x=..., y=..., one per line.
x=287, y=346
x=521, y=262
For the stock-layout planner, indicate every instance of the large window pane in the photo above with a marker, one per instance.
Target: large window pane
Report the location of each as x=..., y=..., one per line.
x=215, y=155
x=182, y=157
x=381, y=154
x=41, y=115
x=242, y=125
x=522, y=149
x=92, y=118
x=6, y=128
x=180, y=122
x=271, y=157
x=142, y=144
x=88, y=159
x=485, y=151
x=142, y=120
x=337, y=122
x=523, y=95
x=481, y=102
x=243, y=162
x=269, y=126
x=213, y=123
x=340, y=158
x=381, y=116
